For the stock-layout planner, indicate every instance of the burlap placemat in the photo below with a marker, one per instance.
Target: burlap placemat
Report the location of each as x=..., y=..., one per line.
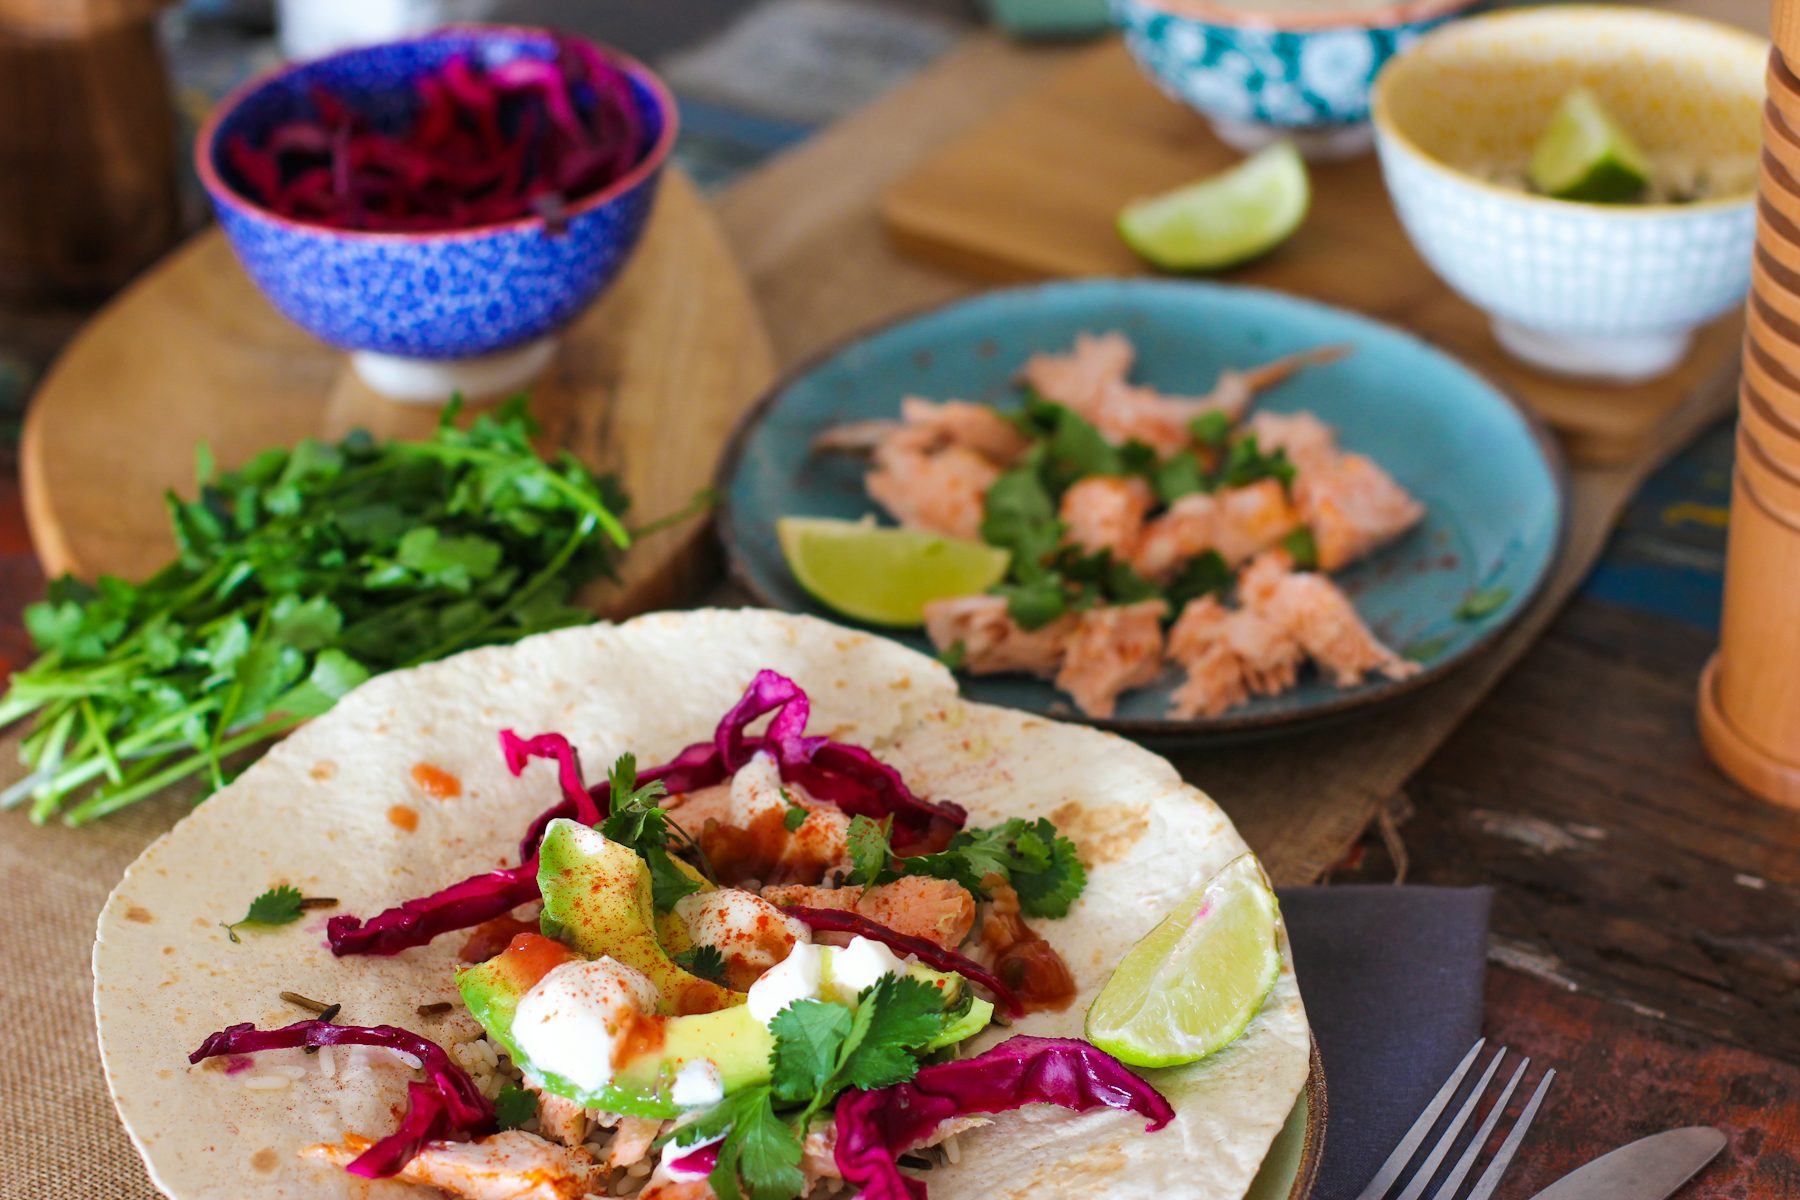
x=807, y=229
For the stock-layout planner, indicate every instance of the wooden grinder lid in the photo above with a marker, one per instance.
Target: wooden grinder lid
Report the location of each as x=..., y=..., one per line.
x=1784, y=28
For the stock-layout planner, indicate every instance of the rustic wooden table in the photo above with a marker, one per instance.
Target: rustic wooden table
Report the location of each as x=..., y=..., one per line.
x=1647, y=917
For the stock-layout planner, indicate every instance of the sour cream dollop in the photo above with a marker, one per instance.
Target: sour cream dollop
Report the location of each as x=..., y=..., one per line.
x=822, y=973
x=568, y=1022
x=862, y=964
x=698, y=1084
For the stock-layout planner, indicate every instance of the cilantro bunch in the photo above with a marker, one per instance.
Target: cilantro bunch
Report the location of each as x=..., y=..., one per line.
x=1032, y=856
x=1046, y=578
x=821, y=1049
x=297, y=577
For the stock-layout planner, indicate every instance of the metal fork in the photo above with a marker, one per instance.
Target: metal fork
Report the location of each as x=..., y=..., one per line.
x=1396, y=1163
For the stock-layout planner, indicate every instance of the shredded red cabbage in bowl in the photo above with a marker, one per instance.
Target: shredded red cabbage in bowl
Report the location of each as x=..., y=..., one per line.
x=837, y=772
x=873, y=1128
x=484, y=145
x=447, y=1105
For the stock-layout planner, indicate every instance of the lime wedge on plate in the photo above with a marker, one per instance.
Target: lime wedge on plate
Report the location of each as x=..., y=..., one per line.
x=1195, y=982
x=1223, y=220
x=882, y=575
x=1585, y=155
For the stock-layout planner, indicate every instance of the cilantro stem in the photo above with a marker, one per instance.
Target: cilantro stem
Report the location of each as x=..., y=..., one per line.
x=104, y=802
x=107, y=752
x=46, y=803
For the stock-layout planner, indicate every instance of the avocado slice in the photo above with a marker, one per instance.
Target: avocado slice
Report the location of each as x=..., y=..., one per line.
x=597, y=901
x=737, y=1043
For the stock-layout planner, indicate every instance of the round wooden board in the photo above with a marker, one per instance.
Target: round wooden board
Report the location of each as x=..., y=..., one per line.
x=648, y=383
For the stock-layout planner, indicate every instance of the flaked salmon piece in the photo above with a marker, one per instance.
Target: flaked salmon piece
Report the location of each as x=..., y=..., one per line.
x=1229, y=656
x=561, y=1119
x=961, y=423
x=662, y=1187
x=631, y=1141
x=1251, y=519
x=1114, y=648
x=941, y=490
x=992, y=642
x=514, y=1165
x=1353, y=508
x=940, y=910
x=1310, y=444
x=1106, y=512
x=1317, y=614
x=1239, y=523
x=750, y=934
x=1078, y=378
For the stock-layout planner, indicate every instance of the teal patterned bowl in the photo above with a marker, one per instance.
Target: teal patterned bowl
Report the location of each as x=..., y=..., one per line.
x=1301, y=74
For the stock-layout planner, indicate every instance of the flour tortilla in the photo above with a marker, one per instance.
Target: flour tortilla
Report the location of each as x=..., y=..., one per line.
x=314, y=813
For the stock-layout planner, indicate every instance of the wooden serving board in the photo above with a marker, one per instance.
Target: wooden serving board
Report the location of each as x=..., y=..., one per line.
x=648, y=383
x=1032, y=192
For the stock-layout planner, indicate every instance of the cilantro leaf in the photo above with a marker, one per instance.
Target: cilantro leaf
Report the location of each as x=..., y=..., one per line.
x=869, y=851
x=1211, y=428
x=1039, y=863
x=1245, y=464
x=1302, y=548
x=809, y=1038
x=514, y=1106
x=893, y=1016
x=278, y=906
x=759, y=1146
x=637, y=821
x=955, y=655
x=795, y=816
x=703, y=961
x=1199, y=576
x=1177, y=476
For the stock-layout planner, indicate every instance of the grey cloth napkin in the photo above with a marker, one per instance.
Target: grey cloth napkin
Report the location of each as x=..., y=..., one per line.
x=1392, y=978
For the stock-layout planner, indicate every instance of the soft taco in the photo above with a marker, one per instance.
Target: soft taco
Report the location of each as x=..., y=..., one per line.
x=834, y=930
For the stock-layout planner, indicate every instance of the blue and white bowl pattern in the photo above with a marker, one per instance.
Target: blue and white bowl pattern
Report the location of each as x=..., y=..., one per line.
x=454, y=295
x=1286, y=78
x=1582, y=270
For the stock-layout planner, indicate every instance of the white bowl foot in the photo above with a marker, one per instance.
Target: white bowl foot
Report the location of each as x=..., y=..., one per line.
x=435, y=380
x=1331, y=144
x=1626, y=358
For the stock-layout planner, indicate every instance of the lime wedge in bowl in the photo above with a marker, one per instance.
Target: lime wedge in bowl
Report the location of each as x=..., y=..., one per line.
x=1196, y=981
x=1585, y=155
x=882, y=575
x=1225, y=219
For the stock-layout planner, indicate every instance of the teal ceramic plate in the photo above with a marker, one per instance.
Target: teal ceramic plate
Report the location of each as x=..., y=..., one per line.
x=1489, y=475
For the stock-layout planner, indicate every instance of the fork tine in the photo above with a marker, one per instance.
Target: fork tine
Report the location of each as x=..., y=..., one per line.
x=1490, y=1178
x=1409, y=1145
x=1422, y=1177
x=1460, y=1171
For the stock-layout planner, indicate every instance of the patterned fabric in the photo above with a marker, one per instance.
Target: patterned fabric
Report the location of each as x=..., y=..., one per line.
x=456, y=295
x=1294, y=79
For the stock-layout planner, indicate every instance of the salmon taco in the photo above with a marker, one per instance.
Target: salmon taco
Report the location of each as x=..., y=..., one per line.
x=710, y=904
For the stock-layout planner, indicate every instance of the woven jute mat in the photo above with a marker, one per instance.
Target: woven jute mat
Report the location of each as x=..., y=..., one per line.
x=807, y=230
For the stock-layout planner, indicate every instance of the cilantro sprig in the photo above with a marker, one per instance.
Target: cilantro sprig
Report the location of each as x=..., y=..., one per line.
x=638, y=822
x=280, y=905
x=821, y=1048
x=296, y=577
x=1040, y=863
x=704, y=962
x=514, y=1106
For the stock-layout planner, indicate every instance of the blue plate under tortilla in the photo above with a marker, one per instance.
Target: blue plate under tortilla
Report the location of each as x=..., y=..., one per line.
x=1489, y=475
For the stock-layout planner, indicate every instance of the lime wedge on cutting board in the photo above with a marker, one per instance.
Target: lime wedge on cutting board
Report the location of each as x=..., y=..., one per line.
x=882, y=575
x=1585, y=155
x=1196, y=981
x=1225, y=219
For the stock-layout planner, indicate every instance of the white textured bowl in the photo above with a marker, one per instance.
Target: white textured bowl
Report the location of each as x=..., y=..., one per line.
x=1592, y=290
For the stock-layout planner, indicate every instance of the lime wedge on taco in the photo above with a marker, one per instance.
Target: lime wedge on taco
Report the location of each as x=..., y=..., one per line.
x=1195, y=982
x=1225, y=219
x=1586, y=155
x=883, y=575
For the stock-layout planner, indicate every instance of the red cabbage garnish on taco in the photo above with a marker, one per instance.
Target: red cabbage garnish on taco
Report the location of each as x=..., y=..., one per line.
x=446, y=1106
x=836, y=772
x=875, y=1127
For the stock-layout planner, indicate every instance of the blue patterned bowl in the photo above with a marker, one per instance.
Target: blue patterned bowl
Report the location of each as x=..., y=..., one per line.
x=454, y=295
x=1302, y=75
x=1601, y=291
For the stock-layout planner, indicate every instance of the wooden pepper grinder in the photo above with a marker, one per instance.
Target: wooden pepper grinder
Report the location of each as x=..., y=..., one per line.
x=87, y=146
x=1750, y=691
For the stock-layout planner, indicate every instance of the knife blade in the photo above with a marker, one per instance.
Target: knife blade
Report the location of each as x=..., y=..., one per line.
x=1647, y=1169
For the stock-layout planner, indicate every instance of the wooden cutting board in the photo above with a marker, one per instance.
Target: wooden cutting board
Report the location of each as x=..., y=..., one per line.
x=1032, y=191
x=648, y=383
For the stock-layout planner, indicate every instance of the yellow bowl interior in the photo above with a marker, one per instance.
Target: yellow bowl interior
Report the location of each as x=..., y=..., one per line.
x=1478, y=94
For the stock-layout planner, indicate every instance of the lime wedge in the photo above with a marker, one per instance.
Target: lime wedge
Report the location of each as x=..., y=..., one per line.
x=1195, y=982
x=1585, y=155
x=1237, y=215
x=881, y=575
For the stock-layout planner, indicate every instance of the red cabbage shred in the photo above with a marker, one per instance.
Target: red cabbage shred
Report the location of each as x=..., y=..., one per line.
x=835, y=772
x=446, y=1105
x=484, y=146
x=874, y=1128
